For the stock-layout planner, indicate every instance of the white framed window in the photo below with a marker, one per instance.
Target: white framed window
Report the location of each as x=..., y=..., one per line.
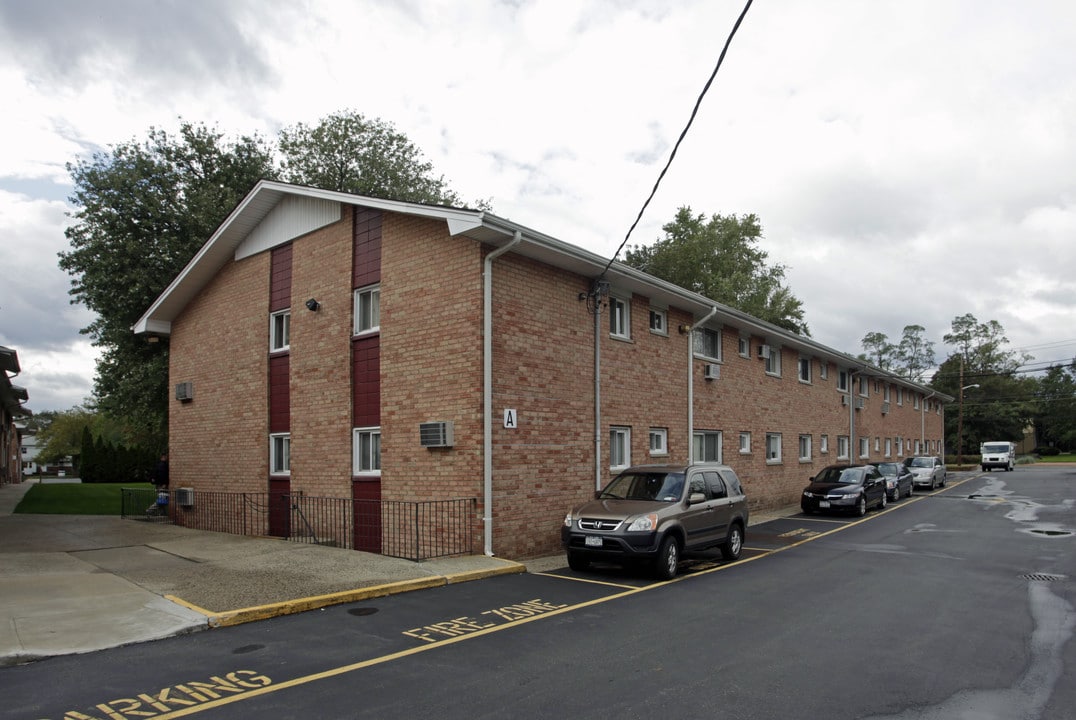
x=888, y=447
x=707, y=343
x=659, y=441
x=744, y=347
x=805, y=448
x=366, y=451
x=864, y=447
x=773, y=448
x=917, y=448
x=745, y=443
x=915, y=400
x=885, y=392
x=659, y=321
x=900, y=446
x=280, y=331
x=842, y=447
x=877, y=444
x=773, y=362
x=619, y=318
x=805, y=369
x=706, y=446
x=619, y=448
x=280, y=454
x=368, y=310
x=900, y=396
x=842, y=380
x=823, y=369
x=864, y=386
x=823, y=444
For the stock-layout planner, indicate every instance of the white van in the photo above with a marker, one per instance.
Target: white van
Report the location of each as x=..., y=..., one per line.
x=998, y=454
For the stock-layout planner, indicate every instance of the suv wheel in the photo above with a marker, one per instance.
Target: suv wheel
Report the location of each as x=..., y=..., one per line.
x=734, y=545
x=884, y=501
x=668, y=558
x=578, y=562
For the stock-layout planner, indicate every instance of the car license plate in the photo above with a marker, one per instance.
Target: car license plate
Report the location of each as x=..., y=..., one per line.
x=823, y=503
x=593, y=541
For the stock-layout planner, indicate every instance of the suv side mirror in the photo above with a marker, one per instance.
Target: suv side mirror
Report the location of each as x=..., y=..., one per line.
x=695, y=498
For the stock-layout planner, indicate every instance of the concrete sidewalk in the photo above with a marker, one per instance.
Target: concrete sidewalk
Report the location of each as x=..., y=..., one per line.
x=79, y=583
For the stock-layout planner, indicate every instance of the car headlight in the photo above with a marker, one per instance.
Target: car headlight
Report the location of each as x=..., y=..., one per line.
x=568, y=520
x=644, y=523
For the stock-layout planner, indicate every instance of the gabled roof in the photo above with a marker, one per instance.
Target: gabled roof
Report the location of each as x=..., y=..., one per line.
x=273, y=213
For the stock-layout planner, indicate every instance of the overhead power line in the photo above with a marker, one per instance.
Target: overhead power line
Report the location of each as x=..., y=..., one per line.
x=683, y=134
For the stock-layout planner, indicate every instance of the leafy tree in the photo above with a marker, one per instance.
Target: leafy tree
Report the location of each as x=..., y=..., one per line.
x=915, y=354
x=879, y=350
x=1056, y=415
x=719, y=257
x=348, y=152
x=1001, y=405
x=143, y=210
x=62, y=437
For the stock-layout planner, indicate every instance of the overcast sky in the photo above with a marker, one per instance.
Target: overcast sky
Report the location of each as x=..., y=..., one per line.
x=910, y=160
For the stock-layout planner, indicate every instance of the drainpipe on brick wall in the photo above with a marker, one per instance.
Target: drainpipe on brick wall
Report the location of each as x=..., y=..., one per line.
x=691, y=384
x=853, y=393
x=923, y=424
x=598, y=394
x=487, y=390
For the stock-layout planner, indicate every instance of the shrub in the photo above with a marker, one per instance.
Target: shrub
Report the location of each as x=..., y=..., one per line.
x=1045, y=451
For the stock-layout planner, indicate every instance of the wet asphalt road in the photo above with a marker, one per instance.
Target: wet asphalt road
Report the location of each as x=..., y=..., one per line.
x=960, y=601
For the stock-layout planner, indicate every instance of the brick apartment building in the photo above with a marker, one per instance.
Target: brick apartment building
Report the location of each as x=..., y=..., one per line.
x=11, y=399
x=336, y=345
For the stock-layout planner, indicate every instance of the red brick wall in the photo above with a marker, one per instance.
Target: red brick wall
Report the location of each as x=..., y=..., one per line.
x=431, y=359
x=220, y=342
x=321, y=361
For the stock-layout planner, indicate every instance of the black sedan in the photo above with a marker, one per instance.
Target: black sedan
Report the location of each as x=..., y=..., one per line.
x=899, y=480
x=845, y=488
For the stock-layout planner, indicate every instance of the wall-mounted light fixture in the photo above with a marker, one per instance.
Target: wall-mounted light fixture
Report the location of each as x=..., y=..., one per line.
x=312, y=305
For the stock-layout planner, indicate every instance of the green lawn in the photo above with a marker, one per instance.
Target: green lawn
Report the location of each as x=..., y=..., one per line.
x=1056, y=458
x=75, y=498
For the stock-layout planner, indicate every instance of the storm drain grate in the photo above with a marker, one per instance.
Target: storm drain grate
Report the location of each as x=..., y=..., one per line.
x=1043, y=577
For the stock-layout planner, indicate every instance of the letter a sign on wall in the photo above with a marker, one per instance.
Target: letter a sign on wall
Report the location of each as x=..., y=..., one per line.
x=510, y=419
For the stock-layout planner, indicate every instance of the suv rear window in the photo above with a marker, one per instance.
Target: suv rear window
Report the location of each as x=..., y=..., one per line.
x=663, y=487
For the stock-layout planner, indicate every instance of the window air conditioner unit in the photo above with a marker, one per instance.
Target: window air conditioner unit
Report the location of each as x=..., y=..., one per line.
x=185, y=391
x=859, y=403
x=764, y=352
x=712, y=371
x=435, y=434
x=885, y=408
x=185, y=497
x=844, y=400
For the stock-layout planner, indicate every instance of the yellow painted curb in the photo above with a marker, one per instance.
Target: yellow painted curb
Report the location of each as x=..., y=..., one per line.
x=229, y=618
x=509, y=568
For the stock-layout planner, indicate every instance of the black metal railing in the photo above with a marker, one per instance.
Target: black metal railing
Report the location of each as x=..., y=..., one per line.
x=413, y=530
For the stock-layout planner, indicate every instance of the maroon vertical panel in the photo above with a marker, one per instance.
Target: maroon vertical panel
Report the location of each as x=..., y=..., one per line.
x=366, y=498
x=280, y=279
x=280, y=507
x=279, y=395
x=366, y=381
x=366, y=268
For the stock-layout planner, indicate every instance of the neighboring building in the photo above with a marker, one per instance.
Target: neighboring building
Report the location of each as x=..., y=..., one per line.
x=11, y=399
x=28, y=452
x=346, y=346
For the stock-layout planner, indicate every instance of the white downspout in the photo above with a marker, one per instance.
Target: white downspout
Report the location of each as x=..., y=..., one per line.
x=487, y=389
x=853, y=393
x=691, y=382
x=597, y=393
